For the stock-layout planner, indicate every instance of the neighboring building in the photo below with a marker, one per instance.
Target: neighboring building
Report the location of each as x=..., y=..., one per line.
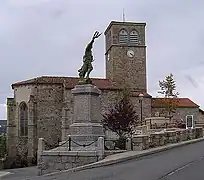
x=43, y=106
x=3, y=126
x=184, y=107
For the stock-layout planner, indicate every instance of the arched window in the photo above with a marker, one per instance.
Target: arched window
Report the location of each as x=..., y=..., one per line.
x=23, y=110
x=134, y=37
x=123, y=36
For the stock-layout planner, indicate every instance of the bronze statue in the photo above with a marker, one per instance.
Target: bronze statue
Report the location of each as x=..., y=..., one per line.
x=87, y=61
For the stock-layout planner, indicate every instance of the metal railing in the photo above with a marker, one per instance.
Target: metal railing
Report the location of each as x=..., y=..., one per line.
x=69, y=141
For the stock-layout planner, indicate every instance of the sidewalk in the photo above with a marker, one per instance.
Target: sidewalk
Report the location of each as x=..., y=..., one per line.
x=3, y=173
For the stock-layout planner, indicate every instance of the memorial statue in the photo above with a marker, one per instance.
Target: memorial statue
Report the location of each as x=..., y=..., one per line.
x=87, y=62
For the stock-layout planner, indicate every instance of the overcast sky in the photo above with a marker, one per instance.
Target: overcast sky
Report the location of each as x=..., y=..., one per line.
x=48, y=37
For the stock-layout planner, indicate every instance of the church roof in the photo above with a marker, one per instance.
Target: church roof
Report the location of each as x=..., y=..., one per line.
x=68, y=82
x=182, y=102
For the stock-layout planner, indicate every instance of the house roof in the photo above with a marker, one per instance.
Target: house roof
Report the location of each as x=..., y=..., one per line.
x=182, y=102
x=68, y=82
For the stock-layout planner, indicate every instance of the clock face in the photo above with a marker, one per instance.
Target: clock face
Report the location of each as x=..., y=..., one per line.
x=130, y=53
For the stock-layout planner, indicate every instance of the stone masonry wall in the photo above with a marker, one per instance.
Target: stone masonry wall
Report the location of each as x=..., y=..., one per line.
x=181, y=113
x=21, y=94
x=49, y=112
x=201, y=119
x=67, y=113
x=119, y=67
x=146, y=107
x=55, y=163
x=11, y=129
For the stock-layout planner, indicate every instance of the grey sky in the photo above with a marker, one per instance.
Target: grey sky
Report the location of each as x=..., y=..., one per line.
x=48, y=37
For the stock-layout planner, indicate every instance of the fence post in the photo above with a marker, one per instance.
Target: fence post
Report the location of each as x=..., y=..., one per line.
x=101, y=148
x=69, y=144
x=128, y=144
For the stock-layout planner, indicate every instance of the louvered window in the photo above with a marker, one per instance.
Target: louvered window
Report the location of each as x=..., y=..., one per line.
x=123, y=37
x=134, y=37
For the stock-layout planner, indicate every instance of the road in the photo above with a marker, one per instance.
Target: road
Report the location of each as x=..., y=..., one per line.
x=184, y=163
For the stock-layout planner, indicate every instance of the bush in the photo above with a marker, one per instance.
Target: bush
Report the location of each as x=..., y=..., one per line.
x=121, y=118
x=121, y=143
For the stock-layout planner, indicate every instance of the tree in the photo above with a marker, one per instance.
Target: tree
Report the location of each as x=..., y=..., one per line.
x=170, y=99
x=121, y=117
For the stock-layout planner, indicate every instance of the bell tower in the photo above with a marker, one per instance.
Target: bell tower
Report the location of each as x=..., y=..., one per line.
x=126, y=55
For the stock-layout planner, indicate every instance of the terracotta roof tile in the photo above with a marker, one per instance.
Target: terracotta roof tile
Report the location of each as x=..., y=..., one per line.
x=182, y=102
x=68, y=82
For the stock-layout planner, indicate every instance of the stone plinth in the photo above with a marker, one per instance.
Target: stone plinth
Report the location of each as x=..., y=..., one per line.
x=85, y=144
x=140, y=142
x=86, y=127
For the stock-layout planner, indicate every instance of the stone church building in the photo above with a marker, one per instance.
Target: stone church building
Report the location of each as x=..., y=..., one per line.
x=43, y=106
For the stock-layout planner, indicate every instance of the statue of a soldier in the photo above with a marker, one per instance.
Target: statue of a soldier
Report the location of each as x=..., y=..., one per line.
x=87, y=67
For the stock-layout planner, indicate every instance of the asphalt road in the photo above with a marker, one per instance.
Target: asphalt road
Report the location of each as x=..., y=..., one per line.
x=184, y=163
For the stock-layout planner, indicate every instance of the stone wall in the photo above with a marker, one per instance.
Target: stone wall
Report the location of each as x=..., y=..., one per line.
x=11, y=128
x=49, y=112
x=146, y=107
x=66, y=160
x=200, y=122
x=22, y=149
x=62, y=158
x=181, y=113
x=121, y=69
x=67, y=113
x=170, y=136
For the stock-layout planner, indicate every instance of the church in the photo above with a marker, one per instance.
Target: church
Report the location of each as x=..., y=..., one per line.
x=43, y=106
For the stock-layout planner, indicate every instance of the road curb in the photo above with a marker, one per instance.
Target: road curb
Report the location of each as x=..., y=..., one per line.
x=107, y=162
x=4, y=174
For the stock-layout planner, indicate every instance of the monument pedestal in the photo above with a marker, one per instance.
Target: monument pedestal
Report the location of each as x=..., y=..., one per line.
x=86, y=134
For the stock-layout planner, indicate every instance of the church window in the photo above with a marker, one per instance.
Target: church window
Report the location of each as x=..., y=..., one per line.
x=23, y=109
x=123, y=36
x=134, y=37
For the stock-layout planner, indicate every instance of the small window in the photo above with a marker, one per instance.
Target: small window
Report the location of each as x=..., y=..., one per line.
x=134, y=37
x=123, y=37
x=23, y=109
